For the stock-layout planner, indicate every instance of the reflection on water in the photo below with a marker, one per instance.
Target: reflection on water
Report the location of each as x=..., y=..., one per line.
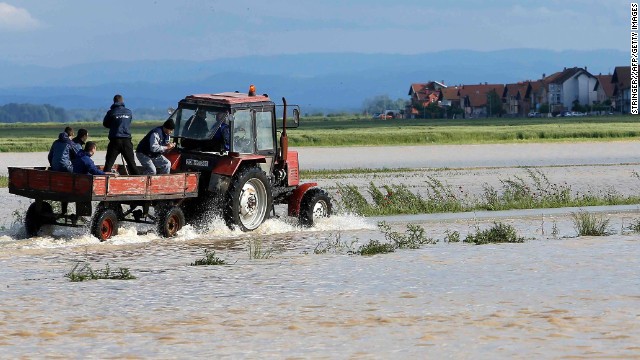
x=552, y=296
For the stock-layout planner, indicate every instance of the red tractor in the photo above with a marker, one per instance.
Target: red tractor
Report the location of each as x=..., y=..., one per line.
x=231, y=140
x=228, y=161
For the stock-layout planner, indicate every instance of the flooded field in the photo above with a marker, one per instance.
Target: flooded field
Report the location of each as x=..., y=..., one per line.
x=554, y=296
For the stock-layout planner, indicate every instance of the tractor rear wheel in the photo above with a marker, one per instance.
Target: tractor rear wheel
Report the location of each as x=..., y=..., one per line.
x=104, y=224
x=315, y=204
x=248, y=199
x=170, y=221
x=34, y=219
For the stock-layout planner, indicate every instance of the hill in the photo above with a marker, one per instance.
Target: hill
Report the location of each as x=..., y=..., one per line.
x=317, y=82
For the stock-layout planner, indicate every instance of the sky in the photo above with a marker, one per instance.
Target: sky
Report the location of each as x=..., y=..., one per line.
x=62, y=33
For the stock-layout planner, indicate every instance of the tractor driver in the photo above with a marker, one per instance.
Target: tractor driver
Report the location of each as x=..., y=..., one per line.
x=223, y=134
x=196, y=126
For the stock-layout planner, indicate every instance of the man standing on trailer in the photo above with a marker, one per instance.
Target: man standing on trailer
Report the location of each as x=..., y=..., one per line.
x=118, y=121
x=153, y=145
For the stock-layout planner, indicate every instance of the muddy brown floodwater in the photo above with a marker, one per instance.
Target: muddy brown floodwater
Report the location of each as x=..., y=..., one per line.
x=554, y=296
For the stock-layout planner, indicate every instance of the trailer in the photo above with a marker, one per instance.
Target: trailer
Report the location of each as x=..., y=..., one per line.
x=116, y=198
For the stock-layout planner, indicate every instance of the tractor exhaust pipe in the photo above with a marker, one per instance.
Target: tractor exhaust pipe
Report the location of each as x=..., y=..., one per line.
x=284, y=141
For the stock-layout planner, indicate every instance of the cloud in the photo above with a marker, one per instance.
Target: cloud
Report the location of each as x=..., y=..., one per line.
x=16, y=19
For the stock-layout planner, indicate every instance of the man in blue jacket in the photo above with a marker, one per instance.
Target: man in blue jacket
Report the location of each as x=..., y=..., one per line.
x=153, y=145
x=118, y=120
x=62, y=151
x=83, y=164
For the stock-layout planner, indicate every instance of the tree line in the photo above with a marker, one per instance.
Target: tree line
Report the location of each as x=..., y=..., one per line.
x=30, y=113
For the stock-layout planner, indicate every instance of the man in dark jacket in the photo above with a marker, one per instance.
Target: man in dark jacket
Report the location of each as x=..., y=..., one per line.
x=118, y=120
x=83, y=164
x=62, y=151
x=80, y=139
x=153, y=145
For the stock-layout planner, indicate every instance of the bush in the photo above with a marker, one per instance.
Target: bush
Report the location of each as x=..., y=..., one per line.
x=587, y=224
x=499, y=233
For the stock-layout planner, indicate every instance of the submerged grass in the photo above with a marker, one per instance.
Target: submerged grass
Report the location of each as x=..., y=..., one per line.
x=82, y=271
x=534, y=190
x=209, y=258
x=588, y=224
x=257, y=251
x=498, y=233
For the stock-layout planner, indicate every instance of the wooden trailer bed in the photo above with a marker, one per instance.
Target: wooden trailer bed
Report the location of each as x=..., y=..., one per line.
x=41, y=184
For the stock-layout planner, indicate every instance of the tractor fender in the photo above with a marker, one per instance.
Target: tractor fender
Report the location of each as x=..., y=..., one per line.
x=296, y=197
x=228, y=165
x=224, y=170
x=174, y=157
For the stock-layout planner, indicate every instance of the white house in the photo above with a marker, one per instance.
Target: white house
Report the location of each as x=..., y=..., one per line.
x=569, y=85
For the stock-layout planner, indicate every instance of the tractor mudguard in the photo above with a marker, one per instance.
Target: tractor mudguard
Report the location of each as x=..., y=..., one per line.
x=229, y=165
x=174, y=158
x=296, y=198
x=225, y=168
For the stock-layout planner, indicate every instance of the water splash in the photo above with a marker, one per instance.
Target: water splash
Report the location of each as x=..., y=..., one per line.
x=130, y=233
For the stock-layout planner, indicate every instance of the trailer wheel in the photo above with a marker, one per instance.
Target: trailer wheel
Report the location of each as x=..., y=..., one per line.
x=105, y=224
x=315, y=204
x=248, y=199
x=34, y=219
x=170, y=221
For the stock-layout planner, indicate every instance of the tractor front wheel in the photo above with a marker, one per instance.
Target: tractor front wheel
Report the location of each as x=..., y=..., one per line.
x=315, y=204
x=248, y=199
x=105, y=223
x=34, y=219
x=170, y=221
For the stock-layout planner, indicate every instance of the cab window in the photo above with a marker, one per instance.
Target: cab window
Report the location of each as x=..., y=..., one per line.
x=264, y=128
x=242, y=132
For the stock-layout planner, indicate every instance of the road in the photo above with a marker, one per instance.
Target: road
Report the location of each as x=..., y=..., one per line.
x=429, y=156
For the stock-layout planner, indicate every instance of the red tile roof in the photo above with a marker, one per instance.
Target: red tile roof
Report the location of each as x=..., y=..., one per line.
x=477, y=94
x=604, y=81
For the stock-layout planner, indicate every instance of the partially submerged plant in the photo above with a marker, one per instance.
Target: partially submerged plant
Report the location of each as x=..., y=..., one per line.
x=83, y=271
x=635, y=226
x=588, y=224
x=375, y=247
x=451, y=236
x=256, y=251
x=209, y=258
x=413, y=238
x=335, y=245
x=498, y=233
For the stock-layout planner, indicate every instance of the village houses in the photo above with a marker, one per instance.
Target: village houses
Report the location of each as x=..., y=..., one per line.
x=572, y=91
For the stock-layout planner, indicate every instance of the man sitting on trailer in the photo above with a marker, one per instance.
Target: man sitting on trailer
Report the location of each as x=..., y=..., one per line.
x=83, y=164
x=80, y=139
x=153, y=145
x=61, y=152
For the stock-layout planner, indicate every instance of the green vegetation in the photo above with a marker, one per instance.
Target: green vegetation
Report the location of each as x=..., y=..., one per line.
x=588, y=224
x=257, y=251
x=635, y=226
x=530, y=192
x=30, y=113
x=38, y=137
x=413, y=238
x=498, y=233
x=356, y=130
x=82, y=271
x=374, y=247
x=209, y=258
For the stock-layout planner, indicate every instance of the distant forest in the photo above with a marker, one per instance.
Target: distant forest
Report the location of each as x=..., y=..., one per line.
x=33, y=113
x=29, y=113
